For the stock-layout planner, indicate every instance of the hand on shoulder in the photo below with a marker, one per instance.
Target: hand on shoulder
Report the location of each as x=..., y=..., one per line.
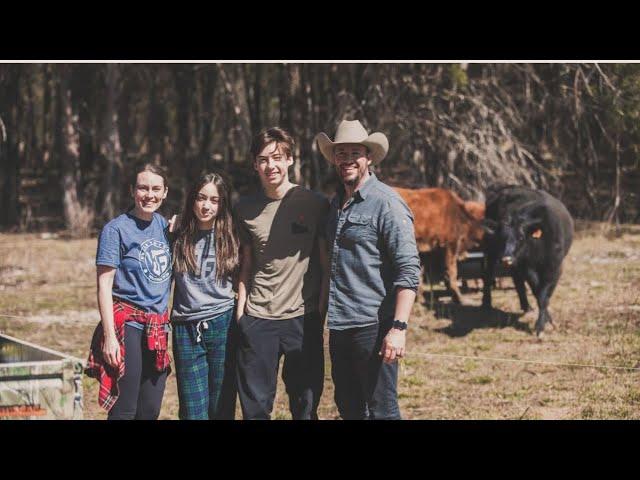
x=173, y=223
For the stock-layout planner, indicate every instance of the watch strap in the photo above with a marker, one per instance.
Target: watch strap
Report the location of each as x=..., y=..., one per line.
x=399, y=325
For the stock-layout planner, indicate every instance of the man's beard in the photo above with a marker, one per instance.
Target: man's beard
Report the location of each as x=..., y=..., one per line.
x=353, y=182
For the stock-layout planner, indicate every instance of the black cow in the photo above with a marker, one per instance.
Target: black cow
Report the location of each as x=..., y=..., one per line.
x=531, y=232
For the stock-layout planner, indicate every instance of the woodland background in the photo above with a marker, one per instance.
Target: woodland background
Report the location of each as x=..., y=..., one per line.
x=69, y=133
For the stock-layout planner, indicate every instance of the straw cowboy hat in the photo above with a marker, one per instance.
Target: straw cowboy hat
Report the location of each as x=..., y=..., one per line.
x=352, y=131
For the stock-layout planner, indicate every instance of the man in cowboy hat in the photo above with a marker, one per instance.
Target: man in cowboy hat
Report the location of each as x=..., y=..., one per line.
x=374, y=275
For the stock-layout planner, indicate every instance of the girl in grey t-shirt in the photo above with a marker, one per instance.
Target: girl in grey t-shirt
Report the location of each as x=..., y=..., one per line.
x=205, y=261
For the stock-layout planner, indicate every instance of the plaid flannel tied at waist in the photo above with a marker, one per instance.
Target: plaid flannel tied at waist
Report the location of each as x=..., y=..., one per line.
x=108, y=376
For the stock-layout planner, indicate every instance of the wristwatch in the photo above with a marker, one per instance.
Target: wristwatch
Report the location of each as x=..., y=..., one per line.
x=399, y=325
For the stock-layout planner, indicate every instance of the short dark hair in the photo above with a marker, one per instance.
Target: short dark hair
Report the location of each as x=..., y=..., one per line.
x=270, y=135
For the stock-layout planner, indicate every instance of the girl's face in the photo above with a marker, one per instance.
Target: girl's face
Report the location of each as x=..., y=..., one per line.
x=149, y=192
x=206, y=206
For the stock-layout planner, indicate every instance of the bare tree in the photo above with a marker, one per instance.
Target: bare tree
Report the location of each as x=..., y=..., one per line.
x=110, y=148
x=78, y=218
x=240, y=132
x=9, y=151
x=569, y=128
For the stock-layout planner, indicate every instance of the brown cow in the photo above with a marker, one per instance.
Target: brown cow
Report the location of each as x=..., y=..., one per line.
x=443, y=220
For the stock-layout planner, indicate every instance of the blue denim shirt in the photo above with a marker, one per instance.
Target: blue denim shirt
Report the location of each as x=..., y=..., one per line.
x=373, y=252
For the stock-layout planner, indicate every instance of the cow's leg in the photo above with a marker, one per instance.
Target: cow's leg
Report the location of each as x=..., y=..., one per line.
x=551, y=290
x=488, y=278
x=518, y=281
x=545, y=290
x=451, y=262
x=533, y=280
x=424, y=269
x=425, y=280
x=427, y=275
x=553, y=287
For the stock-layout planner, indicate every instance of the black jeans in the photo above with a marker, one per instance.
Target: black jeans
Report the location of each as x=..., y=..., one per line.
x=365, y=387
x=229, y=393
x=141, y=387
x=261, y=344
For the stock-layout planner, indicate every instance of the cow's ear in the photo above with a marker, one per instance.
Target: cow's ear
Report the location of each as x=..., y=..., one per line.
x=489, y=226
x=533, y=227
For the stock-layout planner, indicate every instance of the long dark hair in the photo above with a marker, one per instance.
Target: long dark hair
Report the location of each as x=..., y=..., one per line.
x=227, y=244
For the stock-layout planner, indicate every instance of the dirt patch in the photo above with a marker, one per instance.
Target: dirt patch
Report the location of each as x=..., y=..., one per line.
x=596, y=313
x=69, y=317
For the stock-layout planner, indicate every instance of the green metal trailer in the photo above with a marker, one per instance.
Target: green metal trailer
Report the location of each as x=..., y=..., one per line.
x=38, y=383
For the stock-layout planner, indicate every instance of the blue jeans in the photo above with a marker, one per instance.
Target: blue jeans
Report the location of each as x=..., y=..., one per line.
x=365, y=386
x=203, y=354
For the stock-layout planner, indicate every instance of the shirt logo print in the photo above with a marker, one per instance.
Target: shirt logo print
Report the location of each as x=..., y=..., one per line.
x=298, y=226
x=208, y=268
x=155, y=260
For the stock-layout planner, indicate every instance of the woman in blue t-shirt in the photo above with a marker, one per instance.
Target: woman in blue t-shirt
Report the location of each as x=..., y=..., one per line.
x=129, y=348
x=205, y=262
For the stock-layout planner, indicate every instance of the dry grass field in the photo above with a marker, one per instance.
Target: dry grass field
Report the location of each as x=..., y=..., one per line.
x=47, y=296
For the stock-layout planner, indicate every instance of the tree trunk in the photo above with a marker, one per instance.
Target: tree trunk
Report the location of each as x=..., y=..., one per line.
x=315, y=102
x=251, y=78
x=156, y=120
x=293, y=106
x=244, y=131
x=85, y=108
x=77, y=218
x=9, y=152
x=48, y=128
x=31, y=138
x=283, y=96
x=126, y=128
x=110, y=147
x=209, y=81
x=183, y=77
x=613, y=214
x=240, y=133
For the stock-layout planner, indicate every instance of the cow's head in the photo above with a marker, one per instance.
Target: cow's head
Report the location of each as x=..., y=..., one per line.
x=515, y=233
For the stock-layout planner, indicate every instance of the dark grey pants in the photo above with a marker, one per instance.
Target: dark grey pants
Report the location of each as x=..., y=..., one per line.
x=141, y=387
x=261, y=344
x=365, y=387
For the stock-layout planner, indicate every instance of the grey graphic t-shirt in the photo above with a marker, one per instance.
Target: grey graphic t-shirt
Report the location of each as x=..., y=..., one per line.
x=199, y=297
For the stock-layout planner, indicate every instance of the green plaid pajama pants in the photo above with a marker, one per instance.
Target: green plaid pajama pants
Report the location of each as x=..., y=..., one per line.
x=201, y=353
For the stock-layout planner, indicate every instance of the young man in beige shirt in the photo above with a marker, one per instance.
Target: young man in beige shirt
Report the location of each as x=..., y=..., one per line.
x=282, y=286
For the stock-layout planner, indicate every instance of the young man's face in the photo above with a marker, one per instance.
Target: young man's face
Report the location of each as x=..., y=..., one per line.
x=351, y=162
x=272, y=165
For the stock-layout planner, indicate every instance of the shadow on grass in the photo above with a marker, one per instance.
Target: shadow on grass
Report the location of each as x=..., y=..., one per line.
x=466, y=318
x=431, y=296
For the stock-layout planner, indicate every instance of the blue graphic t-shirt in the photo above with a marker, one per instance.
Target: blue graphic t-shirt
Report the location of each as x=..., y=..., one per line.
x=139, y=251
